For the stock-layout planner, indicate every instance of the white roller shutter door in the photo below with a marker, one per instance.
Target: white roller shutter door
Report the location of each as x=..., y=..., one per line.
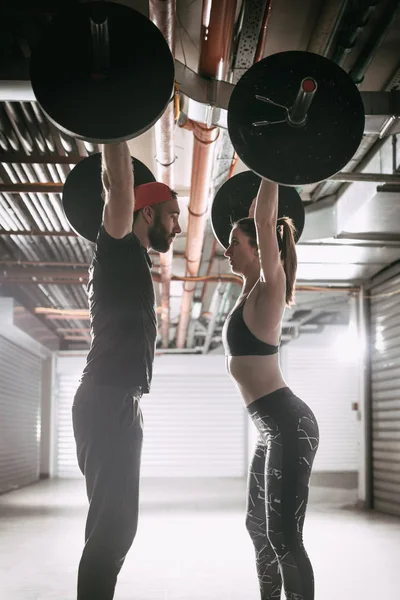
x=194, y=422
x=329, y=387
x=20, y=399
x=194, y=427
x=68, y=372
x=385, y=395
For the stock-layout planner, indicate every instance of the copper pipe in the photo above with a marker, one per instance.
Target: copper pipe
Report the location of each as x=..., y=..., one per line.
x=226, y=278
x=83, y=313
x=163, y=13
x=41, y=263
x=73, y=329
x=263, y=32
x=214, y=245
x=41, y=281
x=66, y=317
x=53, y=313
x=203, y=158
x=258, y=56
x=218, y=20
x=62, y=276
x=209, y=267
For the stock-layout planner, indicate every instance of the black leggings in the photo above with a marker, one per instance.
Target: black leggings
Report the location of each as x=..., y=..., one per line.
x=278, y=493
x=108, y=433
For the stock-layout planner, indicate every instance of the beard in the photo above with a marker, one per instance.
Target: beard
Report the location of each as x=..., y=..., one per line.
x=159, y=237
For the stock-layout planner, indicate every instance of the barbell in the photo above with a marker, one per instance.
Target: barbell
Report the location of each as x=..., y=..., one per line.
x=103, y=72
x=234, y=198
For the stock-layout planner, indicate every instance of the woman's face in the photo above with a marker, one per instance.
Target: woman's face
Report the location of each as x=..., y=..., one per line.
x=240, y=253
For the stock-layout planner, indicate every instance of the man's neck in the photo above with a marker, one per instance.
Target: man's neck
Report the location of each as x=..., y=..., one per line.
x=141, y=232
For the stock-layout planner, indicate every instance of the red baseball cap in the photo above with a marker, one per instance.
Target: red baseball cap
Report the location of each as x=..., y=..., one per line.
x=148, y=194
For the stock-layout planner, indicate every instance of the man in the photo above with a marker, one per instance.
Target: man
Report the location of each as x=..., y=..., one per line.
x=106, y=413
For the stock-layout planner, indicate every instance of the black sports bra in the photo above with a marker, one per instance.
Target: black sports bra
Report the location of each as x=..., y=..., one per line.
x=238, y=339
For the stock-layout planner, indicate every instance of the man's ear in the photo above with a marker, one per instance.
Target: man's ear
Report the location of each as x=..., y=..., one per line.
x=148, y=214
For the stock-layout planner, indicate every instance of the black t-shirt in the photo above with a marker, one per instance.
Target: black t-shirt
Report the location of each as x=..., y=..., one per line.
x=122, y=313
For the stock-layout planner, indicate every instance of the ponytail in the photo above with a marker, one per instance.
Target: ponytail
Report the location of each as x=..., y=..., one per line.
x=287, y=246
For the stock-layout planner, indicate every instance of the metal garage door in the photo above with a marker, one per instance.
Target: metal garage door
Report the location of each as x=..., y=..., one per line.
x=330, y=389
x=20, y=398
x=194, y=423
x=385, y=394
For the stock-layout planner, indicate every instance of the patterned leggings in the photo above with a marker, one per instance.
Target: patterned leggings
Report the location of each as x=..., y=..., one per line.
x=278, y=492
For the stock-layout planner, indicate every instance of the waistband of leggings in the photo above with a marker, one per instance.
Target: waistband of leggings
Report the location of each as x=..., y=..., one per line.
x=273, y=398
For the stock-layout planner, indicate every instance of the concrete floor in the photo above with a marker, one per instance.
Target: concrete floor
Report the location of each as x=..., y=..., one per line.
x=191, y=544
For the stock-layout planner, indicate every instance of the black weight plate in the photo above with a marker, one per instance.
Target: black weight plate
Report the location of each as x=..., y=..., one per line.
x=234, y=198
x=81, y=198
x=123, y=105
x=286, y=154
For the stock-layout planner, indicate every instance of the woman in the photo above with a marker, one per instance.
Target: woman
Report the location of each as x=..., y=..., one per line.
x=262, y=251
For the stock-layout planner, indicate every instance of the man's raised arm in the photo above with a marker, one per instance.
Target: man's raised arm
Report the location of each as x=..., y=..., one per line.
x=118, y=180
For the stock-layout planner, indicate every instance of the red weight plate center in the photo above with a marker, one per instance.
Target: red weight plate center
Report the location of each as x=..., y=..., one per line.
x=309, y=85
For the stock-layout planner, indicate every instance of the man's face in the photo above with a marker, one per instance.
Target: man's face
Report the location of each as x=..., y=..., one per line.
x=165, y=226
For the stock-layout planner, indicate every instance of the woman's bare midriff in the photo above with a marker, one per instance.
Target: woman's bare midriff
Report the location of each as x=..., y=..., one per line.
x=255, y=376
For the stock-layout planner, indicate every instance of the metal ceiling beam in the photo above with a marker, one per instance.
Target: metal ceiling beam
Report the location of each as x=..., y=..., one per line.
x=43, y=272
x=39, y=159
x=353, y=176
x=57, y=187
x=206, y=100
x=324, y=32
x=363, y=163
x=45, y=188
x=41, y=263
x=37, y=233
